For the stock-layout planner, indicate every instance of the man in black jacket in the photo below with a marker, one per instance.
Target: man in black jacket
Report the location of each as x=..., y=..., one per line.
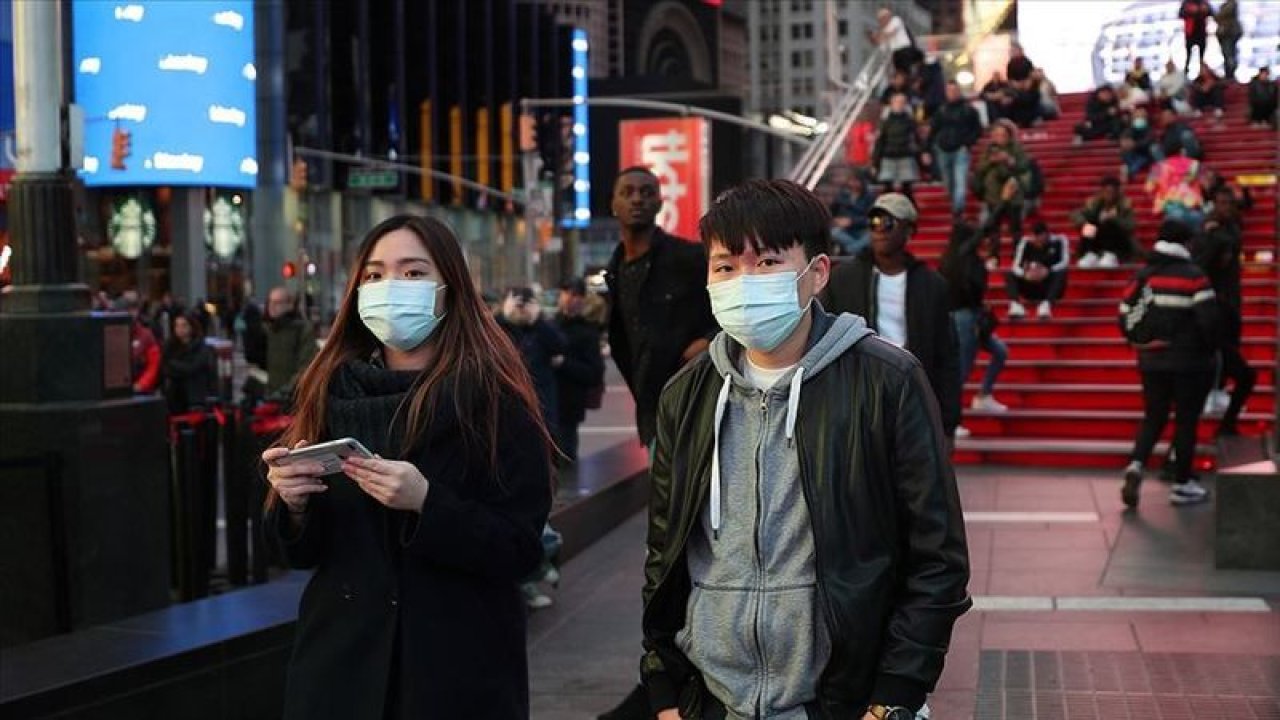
x=903, y=300
x=659, y=317
x=1218, y=255
x=582, y=373
x=1264, y=97
x=952, y=131
x=856, y=578
x=1169, y=314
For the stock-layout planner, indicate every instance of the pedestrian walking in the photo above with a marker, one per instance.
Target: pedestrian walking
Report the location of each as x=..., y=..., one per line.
x=581, y=376
x=291, y=341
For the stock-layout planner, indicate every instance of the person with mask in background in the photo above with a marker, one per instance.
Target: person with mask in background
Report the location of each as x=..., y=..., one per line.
x=414, y=609
x=847, y=617
x=580, y=378
x=291, y=341
x=190, y=367
x=904, y=300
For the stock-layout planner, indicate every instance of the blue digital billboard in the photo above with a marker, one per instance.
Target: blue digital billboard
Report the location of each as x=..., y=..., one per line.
x=7, y=142
x=168, y=92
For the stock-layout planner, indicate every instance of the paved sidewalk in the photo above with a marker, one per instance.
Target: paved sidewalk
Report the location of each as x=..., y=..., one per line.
x=1082, y=612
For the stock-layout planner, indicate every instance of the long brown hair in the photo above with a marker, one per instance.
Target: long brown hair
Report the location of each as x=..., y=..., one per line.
x=472, y=352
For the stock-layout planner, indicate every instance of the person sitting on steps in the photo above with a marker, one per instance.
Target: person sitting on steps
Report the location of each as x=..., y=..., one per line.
x=1039, y=272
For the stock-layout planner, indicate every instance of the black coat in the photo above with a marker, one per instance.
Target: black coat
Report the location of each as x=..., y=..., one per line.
x=888, y=532
x=897, y=138
x=538, y=344
x=931, y=336
x=676, y=312
x=190, y=374
x=954, y=126
x=583, y=367
x=422, y=611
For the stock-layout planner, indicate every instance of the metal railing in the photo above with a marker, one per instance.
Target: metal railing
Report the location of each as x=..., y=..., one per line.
x=818, y=156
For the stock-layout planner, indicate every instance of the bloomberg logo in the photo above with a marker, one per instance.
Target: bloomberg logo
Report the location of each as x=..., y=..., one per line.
x=177, y=80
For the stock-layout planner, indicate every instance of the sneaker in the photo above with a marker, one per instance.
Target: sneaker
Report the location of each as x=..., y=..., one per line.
x=1124, y=174
x=1109, y=260
x=1188, y=492
x=962, y=431
x=533, y=597
x=1045, y=310
x=988, y=403
x=1077, y=141
x=551, y=575
x=1088, y=260
x=993, y=264
x=1217, y=402
x=1016, y=310
x=1132, y=482
x=1217, y=113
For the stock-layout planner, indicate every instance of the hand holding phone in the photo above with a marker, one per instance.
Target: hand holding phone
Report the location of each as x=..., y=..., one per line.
x=328, y=456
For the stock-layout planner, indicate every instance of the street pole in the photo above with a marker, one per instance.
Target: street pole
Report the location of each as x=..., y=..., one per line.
x=41, y=205
x=66, y=400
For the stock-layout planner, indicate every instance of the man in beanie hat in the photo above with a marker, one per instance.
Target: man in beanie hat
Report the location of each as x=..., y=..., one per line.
x=903, y=300
x=1168, y=314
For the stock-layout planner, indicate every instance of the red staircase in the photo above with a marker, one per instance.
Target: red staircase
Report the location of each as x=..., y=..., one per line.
x=1071, y=383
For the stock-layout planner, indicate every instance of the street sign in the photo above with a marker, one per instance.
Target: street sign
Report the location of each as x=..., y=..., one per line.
x=372, y=179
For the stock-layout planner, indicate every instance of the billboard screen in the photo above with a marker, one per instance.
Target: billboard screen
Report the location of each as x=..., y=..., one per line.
x=168, y=92
x=1080, y=50
x=678, y=151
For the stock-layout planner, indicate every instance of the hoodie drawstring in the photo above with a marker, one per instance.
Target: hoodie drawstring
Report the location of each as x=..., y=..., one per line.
x=793, y=404
x=721, y=402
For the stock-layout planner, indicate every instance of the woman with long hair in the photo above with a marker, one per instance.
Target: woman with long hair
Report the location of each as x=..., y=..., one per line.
x=414, y=609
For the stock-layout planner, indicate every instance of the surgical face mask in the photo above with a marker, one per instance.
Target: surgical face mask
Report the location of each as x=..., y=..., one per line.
x=1139, y=123
x=759, y=311
x=400, y=313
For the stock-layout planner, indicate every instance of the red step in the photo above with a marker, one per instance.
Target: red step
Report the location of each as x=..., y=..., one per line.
x=1076, y=396
x=1059, y=423
x=1087, y=372
x=1257, y=351
x=1075, y=328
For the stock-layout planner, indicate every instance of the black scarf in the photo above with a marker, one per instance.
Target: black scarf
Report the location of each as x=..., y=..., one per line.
x=370, y=404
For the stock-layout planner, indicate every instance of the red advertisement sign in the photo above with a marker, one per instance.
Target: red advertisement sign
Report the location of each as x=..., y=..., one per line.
x=678, y=151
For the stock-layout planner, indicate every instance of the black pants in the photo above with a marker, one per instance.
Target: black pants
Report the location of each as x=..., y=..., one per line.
x=1051, y=288
x=1194, y=41
x=1004, y=212
x=1262, y=113
x=1235, y=368
x=567, y=437
x=1102, y=127
x=1230, y=56
x=1186, y=392
x=1110, y=238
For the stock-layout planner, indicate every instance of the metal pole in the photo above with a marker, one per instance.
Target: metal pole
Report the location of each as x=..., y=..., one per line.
x=646, y=104
x=37, y=71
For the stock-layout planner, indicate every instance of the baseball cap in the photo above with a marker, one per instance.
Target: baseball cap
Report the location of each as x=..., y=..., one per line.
x=897, y=205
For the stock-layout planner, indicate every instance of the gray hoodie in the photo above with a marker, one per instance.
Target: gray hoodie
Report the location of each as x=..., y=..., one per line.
x=754, y=626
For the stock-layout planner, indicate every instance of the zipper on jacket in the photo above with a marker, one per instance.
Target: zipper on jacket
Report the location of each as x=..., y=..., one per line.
x=806, y=486
x=760, y=583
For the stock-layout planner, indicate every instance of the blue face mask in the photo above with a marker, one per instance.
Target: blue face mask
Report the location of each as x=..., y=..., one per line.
x=400, y=313
x=759, y=311
x=1139, y=123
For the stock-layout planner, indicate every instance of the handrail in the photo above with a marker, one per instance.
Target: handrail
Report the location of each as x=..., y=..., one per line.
x=813, y=164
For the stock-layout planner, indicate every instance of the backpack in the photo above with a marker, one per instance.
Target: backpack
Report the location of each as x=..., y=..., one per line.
x=1139, y=324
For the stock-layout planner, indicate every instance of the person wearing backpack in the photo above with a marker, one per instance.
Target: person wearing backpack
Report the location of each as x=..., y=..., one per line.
x=1169, y=314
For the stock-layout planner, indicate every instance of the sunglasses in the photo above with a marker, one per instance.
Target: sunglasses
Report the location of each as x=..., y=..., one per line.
x=885, y=223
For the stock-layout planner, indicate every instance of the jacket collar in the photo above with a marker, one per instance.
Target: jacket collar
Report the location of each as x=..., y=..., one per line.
x=657, y=244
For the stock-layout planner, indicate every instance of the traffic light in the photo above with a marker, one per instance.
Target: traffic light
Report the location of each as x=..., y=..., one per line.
x=121, y=147
x=298, y=175
x=528, y=133
x=289, y=270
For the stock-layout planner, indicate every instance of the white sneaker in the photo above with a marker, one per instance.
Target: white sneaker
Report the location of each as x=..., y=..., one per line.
x=1016, y=310
x=1109, y=260
x=1217, y=402
x=993, y=264
x=1187, y=493
x=988, y=403
x=1045, y=310
x=1088, y=260
x=962, y=431
x=533, y=597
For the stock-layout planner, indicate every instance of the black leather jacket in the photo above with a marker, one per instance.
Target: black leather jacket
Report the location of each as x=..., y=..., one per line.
x=892, y=563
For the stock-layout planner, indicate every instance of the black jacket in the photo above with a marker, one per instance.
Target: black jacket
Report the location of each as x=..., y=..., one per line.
x=190, y=374
x=954, y=126
x=583, y=367
x=1181, y=310
x=538, y=344
x=1217, y=252
x=676, y=311
x=965, y=274
x=897, y=138
x=891, y=555
x=931, y=336
x=291, y=343
x=432, y=598
x=1263, y=94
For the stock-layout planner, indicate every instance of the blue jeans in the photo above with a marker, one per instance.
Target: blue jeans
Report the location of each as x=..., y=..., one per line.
x=851, y=241
x=966, y=322
x=1136, y=161
x=954, y=169
x=1192, y=217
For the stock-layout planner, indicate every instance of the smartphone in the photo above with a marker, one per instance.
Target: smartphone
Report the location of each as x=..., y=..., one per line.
x=328, y=454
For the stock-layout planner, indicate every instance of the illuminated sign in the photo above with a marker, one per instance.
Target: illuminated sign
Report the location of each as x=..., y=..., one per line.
x=678, y=151
x=581, y=152
x=168, y=90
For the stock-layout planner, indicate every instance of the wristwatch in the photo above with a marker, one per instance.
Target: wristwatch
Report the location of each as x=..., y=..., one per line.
x=891, y=712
